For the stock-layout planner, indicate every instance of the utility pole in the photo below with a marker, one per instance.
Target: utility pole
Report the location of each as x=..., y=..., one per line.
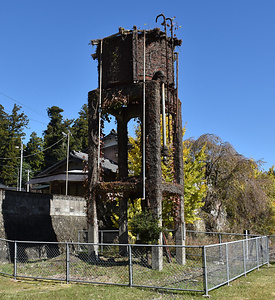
x=68, y=153
x=21, y=164
x=28, y=186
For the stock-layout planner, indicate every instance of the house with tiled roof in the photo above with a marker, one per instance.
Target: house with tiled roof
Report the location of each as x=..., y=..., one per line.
x=53, y=179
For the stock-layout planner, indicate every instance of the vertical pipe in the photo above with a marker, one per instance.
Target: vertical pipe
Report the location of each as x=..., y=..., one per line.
x=205, y=271
x=257, y=253
x=220, y=247
x=177, y=83
x=262, y=251
x=28, y=179
x=99, y=106
x=67, y=169
x=244, y=258
x=143, y=118
x=15, y=261
x=67, y=263
x=130, y=266
x=227, y=263
x=268, y=250
x=21, y=164
x=247, y=242
x=163, y=115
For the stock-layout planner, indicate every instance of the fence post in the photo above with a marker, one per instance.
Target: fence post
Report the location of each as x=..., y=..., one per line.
x=227, y=263
x=130, y=266
x=220, y=247
x=67, y=263
x=257, y=253
x=15, y=261
x=244, y=258
x=267, y=249
x=205, y=271
x=246, y=243
x=261, y=250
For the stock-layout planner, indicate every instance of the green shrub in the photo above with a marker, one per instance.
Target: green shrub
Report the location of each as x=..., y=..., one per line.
x=145, y=227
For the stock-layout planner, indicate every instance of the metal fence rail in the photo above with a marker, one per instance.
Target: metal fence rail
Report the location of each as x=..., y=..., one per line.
x=196, y=238
x=210, y=238
x=205, y=267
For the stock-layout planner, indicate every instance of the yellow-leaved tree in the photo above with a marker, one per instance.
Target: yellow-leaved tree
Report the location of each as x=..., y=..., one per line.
x=195, y=187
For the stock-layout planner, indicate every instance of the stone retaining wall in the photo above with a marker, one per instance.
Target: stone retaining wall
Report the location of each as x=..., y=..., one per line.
x=41, y=217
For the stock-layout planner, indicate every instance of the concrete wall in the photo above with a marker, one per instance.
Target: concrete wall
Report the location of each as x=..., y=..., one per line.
x=41, y=217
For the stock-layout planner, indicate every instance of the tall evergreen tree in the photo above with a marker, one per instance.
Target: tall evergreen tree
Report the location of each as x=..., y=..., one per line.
x=4, y=130
x=17, y=121
x=33, y=153
x=4, y=127
x=80, y=130
x=54, y=133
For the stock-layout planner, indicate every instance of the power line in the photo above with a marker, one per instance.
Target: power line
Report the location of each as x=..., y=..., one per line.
x=38, y=121
x=45, y=148
x=6, y=158
x=9, y=111
x=22, y=104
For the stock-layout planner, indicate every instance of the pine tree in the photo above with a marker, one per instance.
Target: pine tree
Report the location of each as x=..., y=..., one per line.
x=80, y=130
x=53, y=134
x=17, y=121
x=4, y=133
x=34, y=154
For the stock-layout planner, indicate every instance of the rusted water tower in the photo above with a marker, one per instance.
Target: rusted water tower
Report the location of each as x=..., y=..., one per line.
x=137, y=80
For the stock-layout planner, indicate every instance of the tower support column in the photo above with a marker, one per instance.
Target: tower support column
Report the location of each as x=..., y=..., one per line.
x=179, y=176
x=93, y=174
x=153, y=162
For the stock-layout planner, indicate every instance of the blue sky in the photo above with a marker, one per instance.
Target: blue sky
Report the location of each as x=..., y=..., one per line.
x=227, y=63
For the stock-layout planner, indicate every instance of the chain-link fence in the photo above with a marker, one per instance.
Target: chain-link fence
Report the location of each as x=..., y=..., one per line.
x=189, y=268
x=228, y=261
x=40, y=260
x=185, y=275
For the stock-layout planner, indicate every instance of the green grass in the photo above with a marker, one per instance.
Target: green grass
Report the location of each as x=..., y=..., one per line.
x=256, y=285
